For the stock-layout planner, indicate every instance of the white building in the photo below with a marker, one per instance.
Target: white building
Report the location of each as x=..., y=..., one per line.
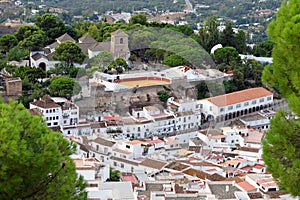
x=58, y=112
x=51, y=111
x=228, y=106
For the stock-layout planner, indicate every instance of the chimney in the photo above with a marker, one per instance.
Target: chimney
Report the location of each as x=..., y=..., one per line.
x=227, y=188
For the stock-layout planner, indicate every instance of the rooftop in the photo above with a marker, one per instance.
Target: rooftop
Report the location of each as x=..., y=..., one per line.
x=239, y=96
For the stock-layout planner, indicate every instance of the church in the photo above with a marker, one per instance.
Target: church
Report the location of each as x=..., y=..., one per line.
x=117, y=46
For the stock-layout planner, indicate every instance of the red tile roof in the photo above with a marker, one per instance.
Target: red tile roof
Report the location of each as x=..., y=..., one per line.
x=239, y=96
x=246, y=186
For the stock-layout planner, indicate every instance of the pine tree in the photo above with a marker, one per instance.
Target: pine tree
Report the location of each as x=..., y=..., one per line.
x=281, y=147
x=34, y=160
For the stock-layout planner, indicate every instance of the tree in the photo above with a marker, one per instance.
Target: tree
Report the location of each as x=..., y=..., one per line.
x=240, y=42
x=263, y=49
x=69, y=52
x=175, y=60
x=64, y=87
x=35, y=162
x=17, y=53
x=103, y=59
x=163, y=95
x=51, y=25
x=281, y=146
x=227, y=36
x=7, y=42
x=209, y=35
x=35, y=41
x=227, y=55
x=114, y=175
x=138, y=19
x=26, y=31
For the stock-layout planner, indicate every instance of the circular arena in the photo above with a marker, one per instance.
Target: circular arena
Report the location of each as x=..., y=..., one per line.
x=142, y=81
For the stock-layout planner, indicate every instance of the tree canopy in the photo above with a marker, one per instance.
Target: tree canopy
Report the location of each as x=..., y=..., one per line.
x=282, y=145
x=64, y=87
x=34, y=160
x=69, y=52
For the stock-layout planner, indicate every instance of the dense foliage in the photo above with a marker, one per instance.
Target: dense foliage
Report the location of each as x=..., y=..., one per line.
x=34, y=160
x=282, y=145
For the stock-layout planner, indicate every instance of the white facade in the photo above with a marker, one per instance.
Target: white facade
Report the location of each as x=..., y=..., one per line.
x=52, y=113
x=236, y=104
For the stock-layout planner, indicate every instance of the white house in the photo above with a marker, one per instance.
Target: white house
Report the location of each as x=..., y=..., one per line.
x=51, y=111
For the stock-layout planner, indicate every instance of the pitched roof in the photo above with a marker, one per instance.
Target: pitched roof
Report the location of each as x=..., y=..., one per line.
x=85, y=47
x=119, y=32
x=53, y=45
x=100, y=46
x=104, y=142
x=38, y=56
x=246, y=186
x=153, y=163
x=239, y=96
x=87, y=39
x=45, y=102
x=35, y=112
x=65, y=37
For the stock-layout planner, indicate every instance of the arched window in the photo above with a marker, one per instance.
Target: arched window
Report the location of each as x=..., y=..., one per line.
x=121, y=40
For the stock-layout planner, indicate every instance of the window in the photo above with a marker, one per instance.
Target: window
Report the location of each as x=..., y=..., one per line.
x=48, y=124
x=269, y=98
x=210, y=108
x=246, y=104
x=230, y=107
x=121, y=41
x=238, y=105
x=261, y=100
x=56, y=117
x=221, y=109
x=253, y=102
x=122, y=165
x=201, y=105
x=115, y=164
x=55, y=123
x=127, y=146
x=139, y=129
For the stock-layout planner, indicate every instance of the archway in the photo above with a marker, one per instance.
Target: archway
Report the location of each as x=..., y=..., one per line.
x=42, y=65
x=210, y=118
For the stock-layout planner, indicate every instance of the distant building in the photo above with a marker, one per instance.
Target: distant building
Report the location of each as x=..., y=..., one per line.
x=118, y=47
x=10, y=88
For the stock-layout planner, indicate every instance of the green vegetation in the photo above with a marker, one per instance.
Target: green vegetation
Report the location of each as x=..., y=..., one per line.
x=34, y=160
x=114, y=175
x=63, y=87
x=69, y=52
x=163, y=95
x=281, y=147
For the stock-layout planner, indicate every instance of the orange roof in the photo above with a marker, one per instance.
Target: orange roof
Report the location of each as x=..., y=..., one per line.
x=133, y=142
x=239, y=96
x=258, y=166
x=245, y=185
x=112, y=118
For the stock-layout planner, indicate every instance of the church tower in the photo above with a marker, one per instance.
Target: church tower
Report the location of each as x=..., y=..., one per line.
x=119, y=45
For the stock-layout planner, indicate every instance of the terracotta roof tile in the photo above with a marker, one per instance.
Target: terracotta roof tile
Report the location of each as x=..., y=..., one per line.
x=104, y=142
x=246, y=186
x=87, y=39
x=65, y=37
x=153, y=163
x=239, y=96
